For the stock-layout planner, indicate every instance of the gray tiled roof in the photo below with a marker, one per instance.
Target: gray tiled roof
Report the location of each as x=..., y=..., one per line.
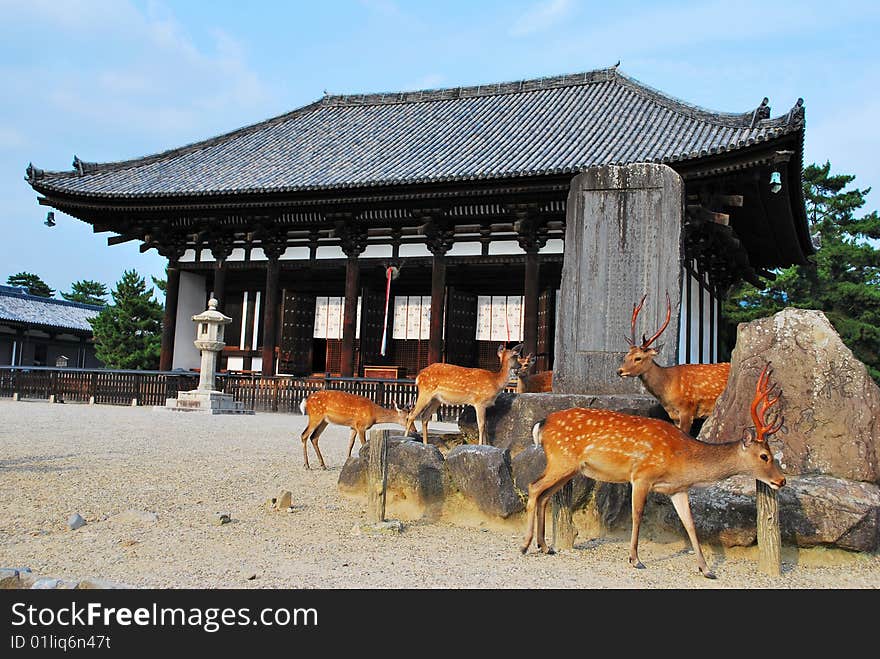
x=543, y=126
x=20, y=307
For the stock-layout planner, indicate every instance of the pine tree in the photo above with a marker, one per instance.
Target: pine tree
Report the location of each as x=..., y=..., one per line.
x=843, y=276
x=32, y=282
x=87, y=291
x=128, y=333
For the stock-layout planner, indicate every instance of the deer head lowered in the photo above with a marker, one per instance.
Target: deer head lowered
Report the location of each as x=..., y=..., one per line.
x=686, y=391
x=652, y=455
x=341, y=408
x=440, y=383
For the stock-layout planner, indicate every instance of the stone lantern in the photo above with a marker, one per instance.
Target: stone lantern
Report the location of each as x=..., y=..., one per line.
x=209, y=341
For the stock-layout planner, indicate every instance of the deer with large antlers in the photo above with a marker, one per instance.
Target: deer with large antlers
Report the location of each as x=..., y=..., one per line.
x=650, y=454
x=686, y=391
x=356, y=412
x=532, y=383
x=440, y=383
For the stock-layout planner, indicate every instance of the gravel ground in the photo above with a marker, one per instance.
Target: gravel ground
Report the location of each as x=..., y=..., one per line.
x=102, y=461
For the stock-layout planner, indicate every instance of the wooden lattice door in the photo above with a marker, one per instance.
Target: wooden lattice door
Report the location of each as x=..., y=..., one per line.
x=546, y=330
x=372, y=319
x=297, y=331
x=461, y=327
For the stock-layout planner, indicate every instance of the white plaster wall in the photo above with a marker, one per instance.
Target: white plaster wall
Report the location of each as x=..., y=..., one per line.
x=190, y=301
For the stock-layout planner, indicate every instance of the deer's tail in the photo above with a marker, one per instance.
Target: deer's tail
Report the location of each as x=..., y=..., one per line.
x=302, y=406
x=537, y=430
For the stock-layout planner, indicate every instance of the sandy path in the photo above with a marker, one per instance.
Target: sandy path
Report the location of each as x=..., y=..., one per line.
x=101, y=461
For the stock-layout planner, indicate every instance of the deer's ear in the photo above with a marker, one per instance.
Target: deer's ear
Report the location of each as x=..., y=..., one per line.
x=500, y=348
x=655, y=350
x=748, y=436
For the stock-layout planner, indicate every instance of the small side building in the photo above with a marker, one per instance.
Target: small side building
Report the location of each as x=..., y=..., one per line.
x=41, y=331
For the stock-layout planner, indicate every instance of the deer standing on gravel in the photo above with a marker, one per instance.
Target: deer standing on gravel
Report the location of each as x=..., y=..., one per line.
x=686, y=391
x=652, y=455
x=440, y=383
x=532, y=383
x=356, y=412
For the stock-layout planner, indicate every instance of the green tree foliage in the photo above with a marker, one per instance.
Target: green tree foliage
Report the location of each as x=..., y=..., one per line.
x=87, y=291
x=32, y=282
x=842, y=278
x=128, y=333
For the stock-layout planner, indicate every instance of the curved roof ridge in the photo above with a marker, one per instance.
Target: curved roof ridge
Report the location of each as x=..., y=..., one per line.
x=470, y=91
x=732, y=119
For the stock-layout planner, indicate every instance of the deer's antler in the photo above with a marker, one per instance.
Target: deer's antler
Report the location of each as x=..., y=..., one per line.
x=632, y=328
x=762, y=403
x=646, y=343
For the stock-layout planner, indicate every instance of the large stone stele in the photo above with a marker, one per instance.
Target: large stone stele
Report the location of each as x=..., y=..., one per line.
x=830, y=403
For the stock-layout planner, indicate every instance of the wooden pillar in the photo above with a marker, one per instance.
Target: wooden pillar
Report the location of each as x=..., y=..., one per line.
x=769, y=534
x=377, y=474
x=438, y=294
x=220, y=284
x=530, y=303
x=169, y=320
x=270, y=313
x=349, y=315
x=439, y=241
x=532, y=236
x=353, y=241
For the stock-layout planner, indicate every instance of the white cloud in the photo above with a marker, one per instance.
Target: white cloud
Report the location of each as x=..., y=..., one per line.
x=131, y=71
x=540, y=17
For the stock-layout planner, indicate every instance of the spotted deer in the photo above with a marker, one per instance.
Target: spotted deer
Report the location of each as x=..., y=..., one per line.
x=531, y=383
x=686, y=391
x=650, y=454
x=356, y=412
x=440, y=383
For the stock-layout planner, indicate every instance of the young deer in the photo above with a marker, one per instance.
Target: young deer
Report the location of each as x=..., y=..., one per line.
x=652, y=455
x=532, y=383
x=344, y=409
x=686, y=391
x=440, y=383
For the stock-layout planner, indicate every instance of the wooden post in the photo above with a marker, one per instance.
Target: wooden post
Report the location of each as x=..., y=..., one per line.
x=377, y=475
x=349, y=315
x=270, y=315
x=440, y=236
x=530, y=304
x=769, y=534
x=531, y=236
x=564, y=530
x=220, y=283
x=438, y=291
x=169, y=320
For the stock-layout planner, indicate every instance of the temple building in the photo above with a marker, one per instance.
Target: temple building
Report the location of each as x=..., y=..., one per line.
x=43, y=331
x=373, y=234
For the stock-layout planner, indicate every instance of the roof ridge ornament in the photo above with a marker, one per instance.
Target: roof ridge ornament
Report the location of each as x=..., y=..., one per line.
x=796, y=114
x=33, y=173
x=761, y=112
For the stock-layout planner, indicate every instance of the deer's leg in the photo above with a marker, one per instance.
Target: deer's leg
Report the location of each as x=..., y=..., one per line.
x=481, y=423
x=536, y=488
x=426, y=415
x=422, y=401
x=354, y=433
x=683, y=507
x=639, y=497
x=686, y=420
x=541, y=513
x=310, y=428
x=315, y=436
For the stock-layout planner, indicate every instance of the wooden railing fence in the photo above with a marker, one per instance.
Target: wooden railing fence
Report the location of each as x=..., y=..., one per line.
x=260, y=393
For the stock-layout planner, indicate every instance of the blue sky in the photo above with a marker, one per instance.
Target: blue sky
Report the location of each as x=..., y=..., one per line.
x=110, y=80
